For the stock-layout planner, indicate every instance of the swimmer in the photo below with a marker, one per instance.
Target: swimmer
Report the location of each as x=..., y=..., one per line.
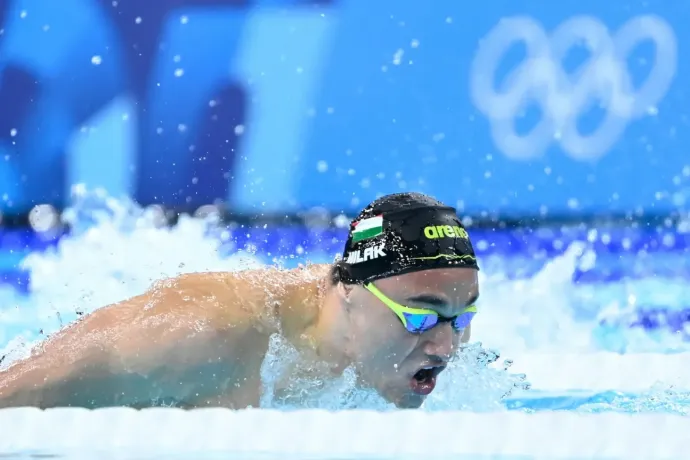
x=395, y=308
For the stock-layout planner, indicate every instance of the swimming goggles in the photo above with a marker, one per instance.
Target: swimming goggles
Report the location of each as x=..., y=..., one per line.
x=418, y=320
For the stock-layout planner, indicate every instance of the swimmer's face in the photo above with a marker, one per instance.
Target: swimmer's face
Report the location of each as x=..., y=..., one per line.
x=388, y=356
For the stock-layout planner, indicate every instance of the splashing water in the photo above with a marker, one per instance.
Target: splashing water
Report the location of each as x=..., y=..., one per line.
x=117, y=249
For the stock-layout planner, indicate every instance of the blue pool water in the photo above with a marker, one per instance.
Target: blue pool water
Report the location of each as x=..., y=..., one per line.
x=567, y=290
x=574, y=319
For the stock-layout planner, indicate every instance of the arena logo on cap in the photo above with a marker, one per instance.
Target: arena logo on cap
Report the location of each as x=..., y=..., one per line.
x=434, y=232
x=367, y=228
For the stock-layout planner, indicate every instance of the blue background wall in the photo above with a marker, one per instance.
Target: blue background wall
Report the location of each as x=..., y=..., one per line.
x=284, y=105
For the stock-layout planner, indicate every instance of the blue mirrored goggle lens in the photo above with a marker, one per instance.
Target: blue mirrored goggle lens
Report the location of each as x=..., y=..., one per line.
x=420, y=322
x=463, y=320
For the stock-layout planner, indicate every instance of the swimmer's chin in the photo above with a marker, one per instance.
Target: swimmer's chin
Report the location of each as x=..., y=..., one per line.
x=403, y=398
x=410, y=401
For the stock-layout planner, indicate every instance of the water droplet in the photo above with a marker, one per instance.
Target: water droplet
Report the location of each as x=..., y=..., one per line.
x=397, y=57
x=43, y=217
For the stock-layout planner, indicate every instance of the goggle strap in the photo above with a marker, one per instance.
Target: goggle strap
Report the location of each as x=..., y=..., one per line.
x=386, y=301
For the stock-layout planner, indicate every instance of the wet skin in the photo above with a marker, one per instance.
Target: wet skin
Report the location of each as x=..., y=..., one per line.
x=388, y=356
x=200, y=339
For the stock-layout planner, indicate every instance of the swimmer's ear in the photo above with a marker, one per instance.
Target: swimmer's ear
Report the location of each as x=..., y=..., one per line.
x=344, y=291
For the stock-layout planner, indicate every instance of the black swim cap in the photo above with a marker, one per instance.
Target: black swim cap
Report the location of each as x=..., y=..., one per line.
x=402, y=233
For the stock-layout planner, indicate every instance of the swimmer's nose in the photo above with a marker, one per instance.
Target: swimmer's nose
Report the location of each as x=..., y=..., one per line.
x=441, y=341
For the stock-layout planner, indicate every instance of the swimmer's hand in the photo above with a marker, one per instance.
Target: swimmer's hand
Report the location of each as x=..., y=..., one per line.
x=197, y=339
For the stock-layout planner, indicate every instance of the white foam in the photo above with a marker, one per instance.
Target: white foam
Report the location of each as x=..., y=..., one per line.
x=347, y=434
x=118, y=249
x=603, y=371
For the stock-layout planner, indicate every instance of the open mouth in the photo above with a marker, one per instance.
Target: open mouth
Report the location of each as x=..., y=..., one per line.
x=424, y=380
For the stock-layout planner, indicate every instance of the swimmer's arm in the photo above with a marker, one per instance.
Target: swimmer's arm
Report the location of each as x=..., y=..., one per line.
x=191, y=339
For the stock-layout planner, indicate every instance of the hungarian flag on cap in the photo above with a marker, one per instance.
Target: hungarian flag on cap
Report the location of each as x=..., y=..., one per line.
x=367, y=228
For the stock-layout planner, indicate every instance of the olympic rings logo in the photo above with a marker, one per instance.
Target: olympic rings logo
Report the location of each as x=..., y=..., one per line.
x=604, y=78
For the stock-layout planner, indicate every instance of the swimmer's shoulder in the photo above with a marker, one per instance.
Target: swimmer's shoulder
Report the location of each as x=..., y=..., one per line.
x=271, y=298
x=302, y=293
